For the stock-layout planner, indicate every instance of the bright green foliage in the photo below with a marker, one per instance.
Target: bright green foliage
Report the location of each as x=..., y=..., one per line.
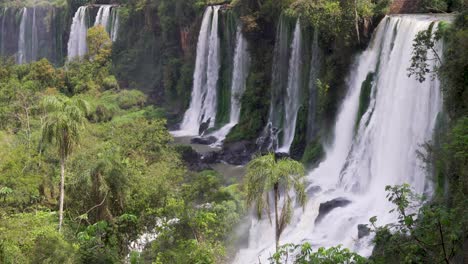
x=431, y=235
x=304, y=254
x=32, y=238
x=64, y=119
x=280, y=175
x=99, y=45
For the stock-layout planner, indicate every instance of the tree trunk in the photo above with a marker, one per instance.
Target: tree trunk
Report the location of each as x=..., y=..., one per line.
x=62, y=192
x=277, y=231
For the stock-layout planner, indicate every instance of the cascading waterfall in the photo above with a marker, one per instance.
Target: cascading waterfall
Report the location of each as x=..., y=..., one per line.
x=360, y=163
x=115, y=24
x=279, y=80
x=239, y=77
x=21, y=57
x=286, y=86
x=102, y=17
x=202, y=107
x=292, y=101
x=77, y=41
x=27, y=39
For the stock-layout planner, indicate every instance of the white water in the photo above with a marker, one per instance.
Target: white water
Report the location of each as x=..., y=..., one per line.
x=205, y=78
x=400, y=117
x=21, y=57
x=292, y=101
x=77, y=41
x=28, y=39
x=102, y=17
x=115, y=24
x=239, y=77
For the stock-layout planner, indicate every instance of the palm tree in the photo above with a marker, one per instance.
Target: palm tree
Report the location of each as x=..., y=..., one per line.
x=281, y=175
x=62, y=125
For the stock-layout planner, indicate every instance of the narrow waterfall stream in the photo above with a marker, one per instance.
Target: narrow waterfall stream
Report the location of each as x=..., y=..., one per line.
x=286, y=86
x=239, y=77
x=102, y=17
x=292, y=101
x=21, y=56
x=360, y=163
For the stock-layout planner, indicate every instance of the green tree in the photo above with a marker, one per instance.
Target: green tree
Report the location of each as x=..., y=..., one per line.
x=280, y=175
x=64, y=119
x=303, y=254
x=99, y=45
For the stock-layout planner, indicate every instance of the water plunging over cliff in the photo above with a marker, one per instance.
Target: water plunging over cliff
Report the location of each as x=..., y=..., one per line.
x=292, y=101
x=77, y=41
x=102, y=17
x=21, y=56
x=27, y=39
x=203, y=102
x=239, y=77
x=361, y=162
x=115, y=24
x=285, y=89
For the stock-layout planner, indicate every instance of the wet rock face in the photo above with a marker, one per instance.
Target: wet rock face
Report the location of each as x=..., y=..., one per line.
x=327, y=207
x=193, y=159
x=204, y=126
x=363, y=230
x=238, y=153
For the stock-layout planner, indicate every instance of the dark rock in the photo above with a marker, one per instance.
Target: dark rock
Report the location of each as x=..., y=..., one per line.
x=363, y=230
x=281, y=155
x=326, y=207
x=204, y=126
x=238, y=153
x=204, y=140
x=192, y=159
x=211, y=157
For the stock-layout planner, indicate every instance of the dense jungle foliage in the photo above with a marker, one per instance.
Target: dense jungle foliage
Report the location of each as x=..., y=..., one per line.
x=124, y=175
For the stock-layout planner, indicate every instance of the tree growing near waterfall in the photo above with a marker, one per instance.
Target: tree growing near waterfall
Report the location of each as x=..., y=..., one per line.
x=63, y=122
x=272, y=179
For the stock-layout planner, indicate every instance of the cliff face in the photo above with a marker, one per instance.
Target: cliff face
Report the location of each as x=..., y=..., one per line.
x=34, y=32
x=404, y=6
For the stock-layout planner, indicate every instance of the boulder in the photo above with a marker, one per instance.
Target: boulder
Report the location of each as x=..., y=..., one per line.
x=238, y=153
x=204, y=126
x=363, y=230
x=327, y=207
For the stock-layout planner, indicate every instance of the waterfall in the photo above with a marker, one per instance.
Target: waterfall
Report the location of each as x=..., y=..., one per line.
x=210, y=103
x=360, y=163
x=77, y=41
x=279, y=80
x=202, y=109
x=314, y=71
x=292, y=101
x=27, y=39
x=21, y=57
x=102, y=17
x=239, y=77
x=115, y=24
